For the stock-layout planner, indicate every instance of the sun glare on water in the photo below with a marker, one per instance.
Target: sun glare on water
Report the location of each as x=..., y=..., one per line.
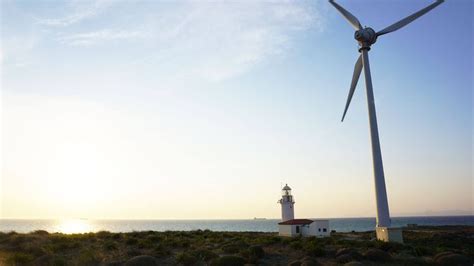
x=76, y=226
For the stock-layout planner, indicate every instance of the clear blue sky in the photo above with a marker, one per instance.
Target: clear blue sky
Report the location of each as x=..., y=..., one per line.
x=121, y=109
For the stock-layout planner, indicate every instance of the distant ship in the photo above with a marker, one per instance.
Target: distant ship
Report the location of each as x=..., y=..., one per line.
x=256, y=218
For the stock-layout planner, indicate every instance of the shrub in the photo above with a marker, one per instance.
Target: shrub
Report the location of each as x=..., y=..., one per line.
x=186, y=259
x=41, y=232
x=145, y=243
x=116, y=236
x=134, y=252
x=154, y=238
x=159, y=251
x=228, y=261
x=231, y=248
x=205, y=254
x=389, y=246
x=345, y=258
x=296, y=245
x=422, y=251
x=269, y=240
x=87, y=257
x=313, y=249
x=59, y=261
x=316, y=252
x=308, y=261
x=449, y=258
x=295, y=263
x=110, y=245
x=131, y=241
x=256, y=251
x=347, y=253
x=103, y=234
x=20, y=259
x=142, y=260
x=50, y=260
x=377, y=255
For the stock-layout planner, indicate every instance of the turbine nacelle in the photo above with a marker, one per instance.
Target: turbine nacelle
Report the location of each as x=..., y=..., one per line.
x=366, y=37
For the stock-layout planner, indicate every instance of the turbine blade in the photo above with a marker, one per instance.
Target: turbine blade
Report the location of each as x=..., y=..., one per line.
x=355, y=78
x=347, y=15
x=402, y=23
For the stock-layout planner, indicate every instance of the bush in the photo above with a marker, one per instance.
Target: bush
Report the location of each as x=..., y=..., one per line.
x=145, y=243
x=377, y=255
x=186, y=258
x=41, y=232
x=257, y=251
x=313, y=249
x=422, y=251
x=448, y=258
x=348, y=254
x=20, y=259
x=87, y=257
x=110, y=245
x=269, y=240
x=389, y=246
x=103, y=234
x=143, y=260
x=134, y=252
x=131, y=241
x=228, y=261
x=204, y=254
x=154, y=238
x=235, y=247
x=308, y=261
x=296, y=245
x=345, y=258
x=295, y=263
x=116, y=236
x=231, y=248
x=160, y=251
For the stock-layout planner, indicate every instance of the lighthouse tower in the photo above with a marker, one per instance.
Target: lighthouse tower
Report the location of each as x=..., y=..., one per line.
x=286, y=201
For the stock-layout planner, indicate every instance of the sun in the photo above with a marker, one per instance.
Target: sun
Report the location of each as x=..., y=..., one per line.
x=73, y=226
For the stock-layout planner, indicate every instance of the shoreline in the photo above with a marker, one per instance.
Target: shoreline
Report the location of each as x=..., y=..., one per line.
x=234, y=225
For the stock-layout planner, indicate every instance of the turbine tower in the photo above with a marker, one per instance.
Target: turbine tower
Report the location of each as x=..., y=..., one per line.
x=366, y=36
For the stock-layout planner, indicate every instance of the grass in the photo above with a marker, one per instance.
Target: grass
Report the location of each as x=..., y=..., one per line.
x=203, y=247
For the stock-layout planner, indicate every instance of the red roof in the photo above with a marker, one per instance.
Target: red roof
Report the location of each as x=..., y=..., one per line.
x=297, y=221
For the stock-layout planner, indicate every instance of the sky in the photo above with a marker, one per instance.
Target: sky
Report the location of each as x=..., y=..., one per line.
x=203, y=110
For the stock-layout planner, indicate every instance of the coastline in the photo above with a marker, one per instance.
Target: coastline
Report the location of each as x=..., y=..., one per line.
x=358, y=224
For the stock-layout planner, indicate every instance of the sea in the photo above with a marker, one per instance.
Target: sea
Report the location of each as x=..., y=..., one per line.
x=254, y=225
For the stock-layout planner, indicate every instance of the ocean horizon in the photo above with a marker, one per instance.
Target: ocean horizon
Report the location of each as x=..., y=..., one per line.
x=231, y=225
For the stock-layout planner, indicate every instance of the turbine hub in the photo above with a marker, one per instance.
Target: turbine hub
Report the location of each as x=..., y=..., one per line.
x=366, y=37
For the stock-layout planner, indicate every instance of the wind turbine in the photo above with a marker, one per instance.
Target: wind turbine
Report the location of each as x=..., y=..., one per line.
x=366, y=36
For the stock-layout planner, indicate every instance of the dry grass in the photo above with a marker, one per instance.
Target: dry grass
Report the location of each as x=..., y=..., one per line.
x=215, y=248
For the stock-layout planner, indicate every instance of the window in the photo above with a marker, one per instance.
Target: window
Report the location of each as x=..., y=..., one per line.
x=319, y=229
x=325, y=230
x=297, y=229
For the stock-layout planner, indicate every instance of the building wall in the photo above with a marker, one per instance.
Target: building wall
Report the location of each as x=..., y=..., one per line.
x=287, y=210
x=286, y=230
x=306, y=230
x=320, y=228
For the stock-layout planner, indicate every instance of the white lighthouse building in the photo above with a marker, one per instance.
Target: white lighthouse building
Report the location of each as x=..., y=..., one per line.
x=289, y=226
x=287, y=204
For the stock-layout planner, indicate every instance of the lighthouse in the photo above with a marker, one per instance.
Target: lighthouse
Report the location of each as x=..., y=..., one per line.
x=286, y=201
x=289, y=226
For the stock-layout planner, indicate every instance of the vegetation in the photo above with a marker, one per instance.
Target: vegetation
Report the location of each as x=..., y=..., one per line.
x=441, y=245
